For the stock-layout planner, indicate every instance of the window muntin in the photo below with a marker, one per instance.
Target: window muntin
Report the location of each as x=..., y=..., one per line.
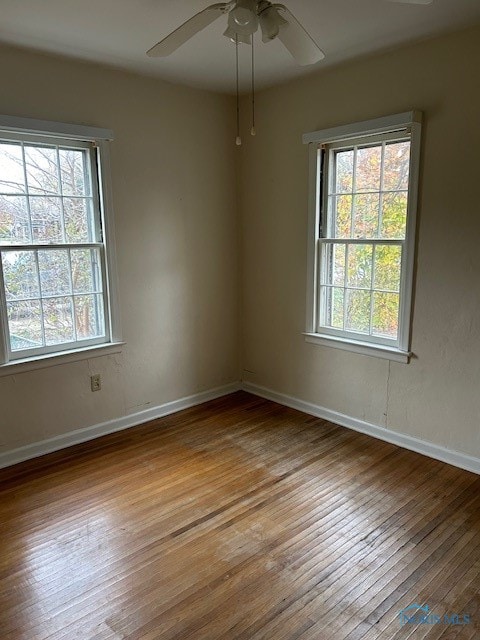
x=362, y=239
x=52, y=254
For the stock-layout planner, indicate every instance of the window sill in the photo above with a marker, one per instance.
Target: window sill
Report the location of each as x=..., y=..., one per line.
x=64, y=357
x=365, y=348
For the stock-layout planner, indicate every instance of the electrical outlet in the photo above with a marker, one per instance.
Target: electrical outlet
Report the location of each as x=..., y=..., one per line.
x=96, y=382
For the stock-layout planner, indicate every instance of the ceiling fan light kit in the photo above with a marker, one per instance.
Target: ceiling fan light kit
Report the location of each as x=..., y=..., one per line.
x=234, y=37
x=270, y=21
x=244, y=19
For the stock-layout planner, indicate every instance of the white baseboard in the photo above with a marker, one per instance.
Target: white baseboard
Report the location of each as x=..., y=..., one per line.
x=118, y=424
x=455, y=458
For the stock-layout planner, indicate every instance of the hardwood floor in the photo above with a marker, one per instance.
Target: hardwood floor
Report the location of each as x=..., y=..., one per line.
x=242, y=520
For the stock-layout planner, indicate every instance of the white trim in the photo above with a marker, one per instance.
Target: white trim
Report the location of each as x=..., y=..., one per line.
x=112, y=300
x=398, y=349
x=357, y=346
x=313, y=222
x=408, y=261
x=396, y=122
x=59, y=357
x=429, y=449
x=56, y=129
x=117, y=424
x=4, y=333
x=50, y=247
x=401, y=135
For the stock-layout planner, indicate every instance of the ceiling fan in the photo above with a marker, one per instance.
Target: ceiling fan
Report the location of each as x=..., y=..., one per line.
x=244, y=19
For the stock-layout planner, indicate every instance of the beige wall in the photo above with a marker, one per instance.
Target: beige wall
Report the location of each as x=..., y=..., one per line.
x=435, y=397
x=175, y=211
x=175, y=196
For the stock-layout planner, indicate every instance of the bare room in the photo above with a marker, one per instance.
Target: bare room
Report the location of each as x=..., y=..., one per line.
x=239, y=320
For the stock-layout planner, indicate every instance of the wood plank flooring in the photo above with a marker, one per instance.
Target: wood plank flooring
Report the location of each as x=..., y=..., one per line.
x=241, y=520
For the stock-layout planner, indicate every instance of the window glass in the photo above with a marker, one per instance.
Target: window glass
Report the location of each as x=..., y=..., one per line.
x=366, y=218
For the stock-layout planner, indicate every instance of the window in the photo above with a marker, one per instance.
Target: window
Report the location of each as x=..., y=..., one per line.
x=55, y=265
x=362, y=227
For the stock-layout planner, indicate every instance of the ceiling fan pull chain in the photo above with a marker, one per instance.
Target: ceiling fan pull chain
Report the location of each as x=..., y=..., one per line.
x=238, y=141
x=252, y=131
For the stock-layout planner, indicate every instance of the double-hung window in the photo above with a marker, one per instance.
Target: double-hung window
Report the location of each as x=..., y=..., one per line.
x=361, y=236
x=55, y=264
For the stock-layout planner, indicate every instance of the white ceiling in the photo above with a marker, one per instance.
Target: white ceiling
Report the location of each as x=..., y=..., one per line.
x=118, y=32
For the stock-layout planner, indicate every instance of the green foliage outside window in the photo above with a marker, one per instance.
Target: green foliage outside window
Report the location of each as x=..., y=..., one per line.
x=367, y=200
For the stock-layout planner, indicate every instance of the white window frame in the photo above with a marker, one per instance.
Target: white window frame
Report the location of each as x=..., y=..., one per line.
x=97, y=140
x=407, y=123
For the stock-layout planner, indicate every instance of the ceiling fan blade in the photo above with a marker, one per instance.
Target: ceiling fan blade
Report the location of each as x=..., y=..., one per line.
x=412, y=1
x=301, y=45
x=187, y=30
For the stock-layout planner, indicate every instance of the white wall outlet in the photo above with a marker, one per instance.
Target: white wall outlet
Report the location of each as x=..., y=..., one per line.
x=96, y=382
